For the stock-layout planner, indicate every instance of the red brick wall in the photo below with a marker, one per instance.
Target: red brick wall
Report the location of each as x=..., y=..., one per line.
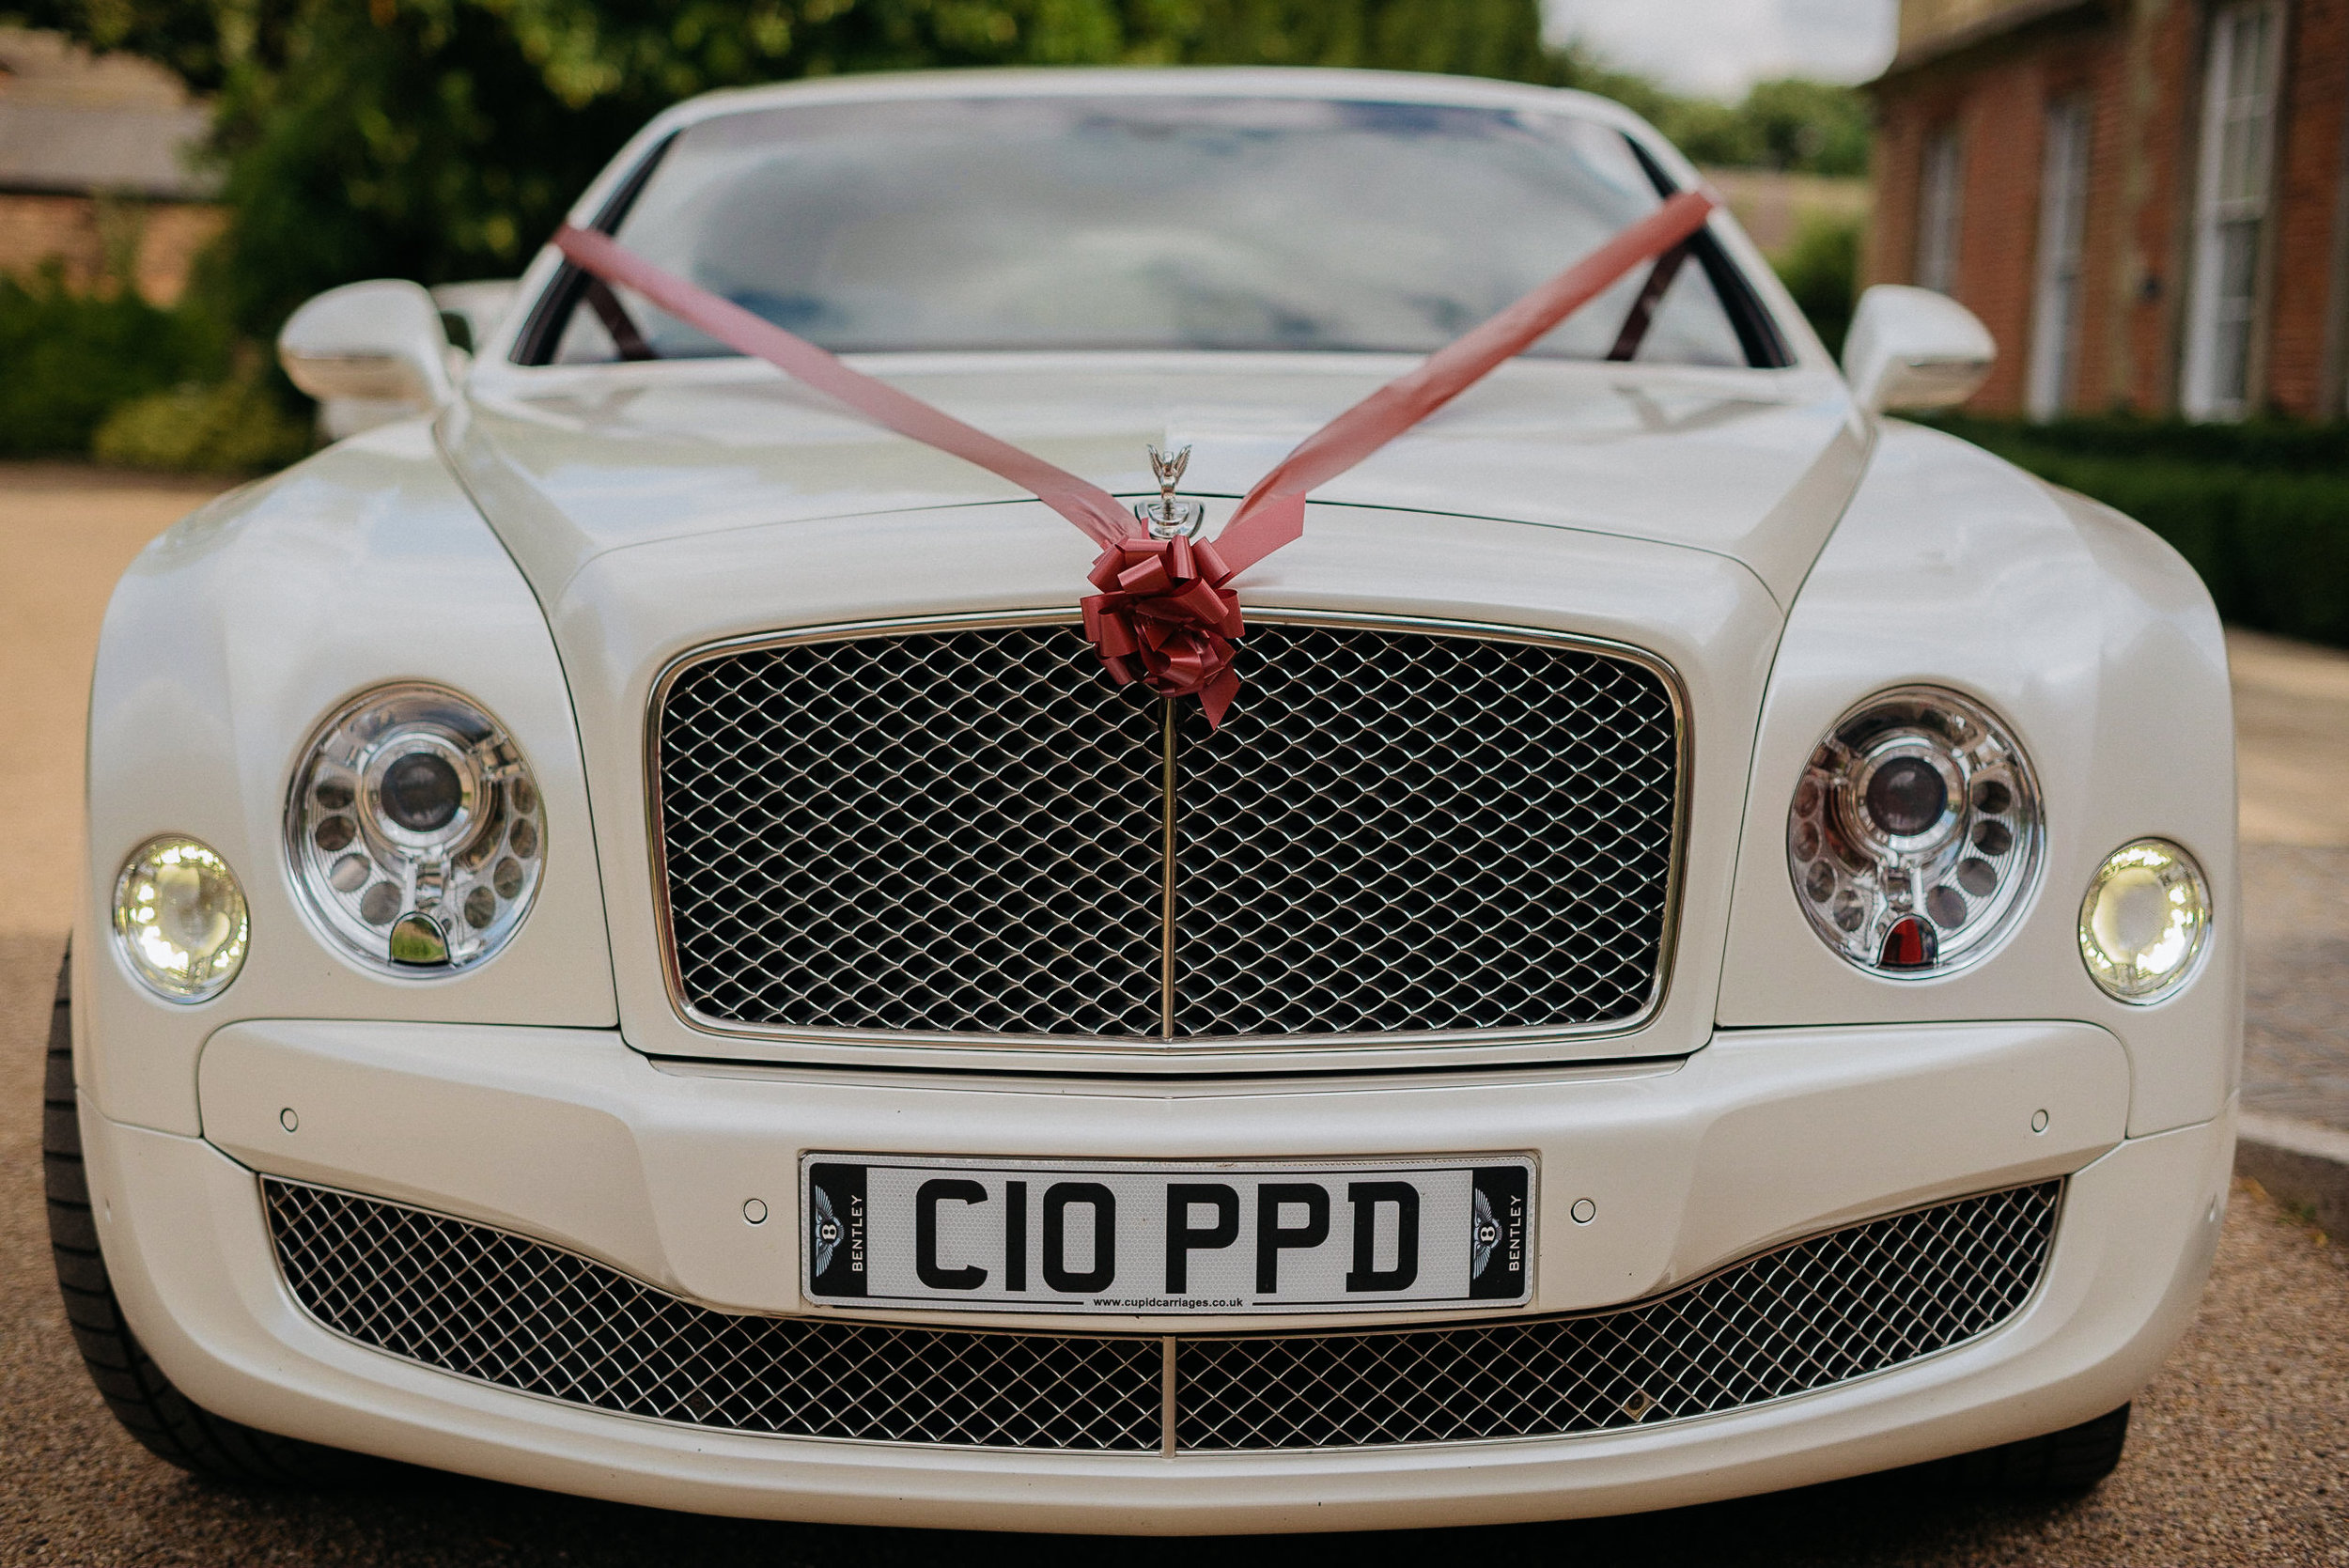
x=2139, y=64
x=2160, y=91
x=2095, y=69
x=77, y=231
x=2307, y=187
x=1889, y=252
x=1996, y=96
x=2004, y=125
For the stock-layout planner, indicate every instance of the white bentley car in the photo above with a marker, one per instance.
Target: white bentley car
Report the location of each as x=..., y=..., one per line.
x=666, y=928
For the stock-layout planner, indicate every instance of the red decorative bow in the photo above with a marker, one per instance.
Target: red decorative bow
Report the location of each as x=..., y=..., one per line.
x=1164, y=617
x=1166, y=613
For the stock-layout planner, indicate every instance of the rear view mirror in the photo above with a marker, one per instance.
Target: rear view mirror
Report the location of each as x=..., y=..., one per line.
x=382, y=341
x=1915, y=349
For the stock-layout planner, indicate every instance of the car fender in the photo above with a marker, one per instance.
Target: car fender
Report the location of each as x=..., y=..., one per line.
x=2099, y=646
x=227, y=642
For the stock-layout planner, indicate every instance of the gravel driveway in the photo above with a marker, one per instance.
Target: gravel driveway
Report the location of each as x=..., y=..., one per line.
x=2240, y=1453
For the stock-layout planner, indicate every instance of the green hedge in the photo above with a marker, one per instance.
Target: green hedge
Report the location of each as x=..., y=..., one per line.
x=107, y=374
x=2261, y=510
x=2266, y=445
x=72, y=358
x=1820, y=267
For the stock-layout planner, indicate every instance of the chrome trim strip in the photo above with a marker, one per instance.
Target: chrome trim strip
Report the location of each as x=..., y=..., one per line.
x=665, y=935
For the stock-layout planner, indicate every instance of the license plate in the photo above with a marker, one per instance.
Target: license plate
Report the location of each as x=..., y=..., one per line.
x=1110, y=1236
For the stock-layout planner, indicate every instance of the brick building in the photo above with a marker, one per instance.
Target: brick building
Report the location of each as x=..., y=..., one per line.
x=2147, y=201
x=94, y=172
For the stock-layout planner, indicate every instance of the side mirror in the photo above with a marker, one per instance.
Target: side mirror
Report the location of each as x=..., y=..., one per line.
x=382, y=340
x=1914, y=349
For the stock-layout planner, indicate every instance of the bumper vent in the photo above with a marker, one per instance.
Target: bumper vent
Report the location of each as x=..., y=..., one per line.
x=491, y=1305
x=970, y=831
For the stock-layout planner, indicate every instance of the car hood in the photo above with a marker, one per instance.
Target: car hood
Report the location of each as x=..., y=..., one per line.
x=572, y=463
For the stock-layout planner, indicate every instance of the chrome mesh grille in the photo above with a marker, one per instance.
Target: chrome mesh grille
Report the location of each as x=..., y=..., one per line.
x=941, y=833
x=501, y=1308
x=960, y=831
x=1396, y=831
x=1825, y=1310
x=506, y=1310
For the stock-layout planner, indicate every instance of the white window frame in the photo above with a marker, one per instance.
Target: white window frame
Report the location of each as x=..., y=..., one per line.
x=1941, y=207
x=2234, y=192
x=2062, y=232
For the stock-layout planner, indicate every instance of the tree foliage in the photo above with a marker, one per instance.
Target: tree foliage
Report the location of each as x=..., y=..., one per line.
x=1821, y=269
x=1805, y=127
x=72, y=356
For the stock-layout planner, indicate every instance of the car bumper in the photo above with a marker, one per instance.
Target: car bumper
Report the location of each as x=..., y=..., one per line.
x=570, y=1136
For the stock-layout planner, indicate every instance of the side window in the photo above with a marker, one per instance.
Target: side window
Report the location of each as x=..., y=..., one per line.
x=2056, y=292
x=1940, y=209
x=2231, y=207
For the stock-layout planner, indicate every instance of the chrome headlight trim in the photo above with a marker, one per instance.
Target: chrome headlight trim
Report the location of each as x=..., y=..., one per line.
x=404, y=898
x=1950, y=882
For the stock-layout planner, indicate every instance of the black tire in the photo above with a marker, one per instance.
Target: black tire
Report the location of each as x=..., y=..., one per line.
x=163, y=1420
x=2072, y=1460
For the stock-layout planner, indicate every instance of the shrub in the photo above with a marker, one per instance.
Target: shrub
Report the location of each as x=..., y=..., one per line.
x=1821, y=269
x=72, y=357
x=2260, y=510
x=235, y=427
x=2269, y=443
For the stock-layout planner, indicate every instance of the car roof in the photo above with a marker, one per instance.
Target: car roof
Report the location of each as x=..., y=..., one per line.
x=1307, y=81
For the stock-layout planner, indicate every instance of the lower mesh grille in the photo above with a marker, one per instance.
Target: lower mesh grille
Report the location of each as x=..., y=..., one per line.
x=518, y=1314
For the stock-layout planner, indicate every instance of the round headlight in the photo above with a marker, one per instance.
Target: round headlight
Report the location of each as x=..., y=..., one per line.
x=2144, y=920
x=415, y=830
x=179, y=918
x=1915, y=832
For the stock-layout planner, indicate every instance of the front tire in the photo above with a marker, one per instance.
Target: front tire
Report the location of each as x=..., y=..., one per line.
x=165, y=1421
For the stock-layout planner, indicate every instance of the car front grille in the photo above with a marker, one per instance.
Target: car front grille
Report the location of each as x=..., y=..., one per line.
x=518, y=1314
x=971, y=830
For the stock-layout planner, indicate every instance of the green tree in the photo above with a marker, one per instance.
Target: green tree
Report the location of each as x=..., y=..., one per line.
x=1801, y=126
x=1711, y=133
x=1821, y=269
x=71, y=356
x=1813, y=127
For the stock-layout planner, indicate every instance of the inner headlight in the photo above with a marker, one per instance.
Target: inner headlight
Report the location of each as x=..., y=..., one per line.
x=415, y=831
x=2143, y=920
x=179, y=918
x=1915, y=832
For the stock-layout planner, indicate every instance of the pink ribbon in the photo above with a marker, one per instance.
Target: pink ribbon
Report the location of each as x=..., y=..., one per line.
x=1164, y=617
x=1166, y=614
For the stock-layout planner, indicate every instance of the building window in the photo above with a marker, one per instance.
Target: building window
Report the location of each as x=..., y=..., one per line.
x=2231, y=206
x=1939, y=192
x=2063, y=221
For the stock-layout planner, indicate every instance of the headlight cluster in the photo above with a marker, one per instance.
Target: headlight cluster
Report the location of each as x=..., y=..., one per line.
x=415, y=831
x=1915, y=832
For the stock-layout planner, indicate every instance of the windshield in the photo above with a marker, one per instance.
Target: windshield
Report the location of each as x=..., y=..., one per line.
x=1144, y=223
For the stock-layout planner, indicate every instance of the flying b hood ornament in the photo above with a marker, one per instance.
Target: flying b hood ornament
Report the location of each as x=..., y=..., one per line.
x=1167, y=517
